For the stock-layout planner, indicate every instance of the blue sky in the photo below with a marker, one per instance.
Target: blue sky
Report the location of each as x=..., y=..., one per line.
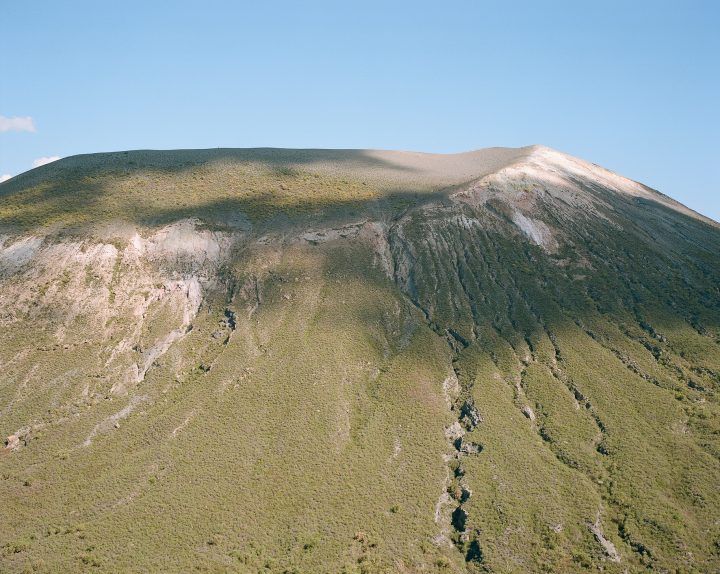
x=633, y=86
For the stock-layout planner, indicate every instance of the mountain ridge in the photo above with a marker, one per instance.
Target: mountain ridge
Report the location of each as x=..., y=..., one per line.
x=476, y=164
x=266, y=361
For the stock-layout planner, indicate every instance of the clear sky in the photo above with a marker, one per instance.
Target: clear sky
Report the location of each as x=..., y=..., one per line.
x=633, y=86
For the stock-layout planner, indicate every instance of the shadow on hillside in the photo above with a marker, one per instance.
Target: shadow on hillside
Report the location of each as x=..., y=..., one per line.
x=76, y=192
x=179, y=161
x=83, y=190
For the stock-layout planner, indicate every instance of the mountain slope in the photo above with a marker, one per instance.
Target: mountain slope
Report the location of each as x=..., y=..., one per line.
x=361, y=361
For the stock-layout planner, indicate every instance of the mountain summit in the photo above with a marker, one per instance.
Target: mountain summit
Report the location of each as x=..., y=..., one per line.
x=359, y=361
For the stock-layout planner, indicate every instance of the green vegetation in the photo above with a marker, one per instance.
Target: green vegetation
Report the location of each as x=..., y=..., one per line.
x=157, y=197
x=296, y=421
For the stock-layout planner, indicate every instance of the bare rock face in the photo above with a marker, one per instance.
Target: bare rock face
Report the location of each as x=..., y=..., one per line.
x=528, y=412
x=12, y=442
x=18, y=439
x=608, y=547
x=159, y=277
x=469, y=415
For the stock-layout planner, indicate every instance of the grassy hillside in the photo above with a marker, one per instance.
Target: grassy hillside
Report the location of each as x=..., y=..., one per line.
x=221, y=185
x=361, y=362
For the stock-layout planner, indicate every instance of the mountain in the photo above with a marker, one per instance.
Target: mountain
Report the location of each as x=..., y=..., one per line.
x=268, y=360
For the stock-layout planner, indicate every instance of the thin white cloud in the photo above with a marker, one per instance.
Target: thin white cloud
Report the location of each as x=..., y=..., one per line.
x=43, y=160
x=5, y=177
x=17, y=124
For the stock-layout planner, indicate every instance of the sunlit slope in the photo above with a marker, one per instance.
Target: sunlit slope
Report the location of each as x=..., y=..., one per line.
x=356, y=361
